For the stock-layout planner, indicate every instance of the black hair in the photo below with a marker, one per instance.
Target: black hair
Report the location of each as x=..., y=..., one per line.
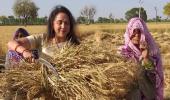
x=21, y=31
x=71, y=36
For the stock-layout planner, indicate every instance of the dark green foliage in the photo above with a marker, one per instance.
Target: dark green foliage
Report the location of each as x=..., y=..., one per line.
x=167, y=9
x=25, y=9
x=134, y=12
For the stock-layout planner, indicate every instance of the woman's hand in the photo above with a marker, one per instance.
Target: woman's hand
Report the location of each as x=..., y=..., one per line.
x=146, y=62
x=144, y=50
x=28, y=56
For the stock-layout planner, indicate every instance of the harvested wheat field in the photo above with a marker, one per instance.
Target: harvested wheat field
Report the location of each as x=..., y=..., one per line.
x=91, y=71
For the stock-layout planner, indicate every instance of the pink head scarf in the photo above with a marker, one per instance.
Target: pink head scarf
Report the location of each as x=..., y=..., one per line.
x=130, y=50
x=138, y=23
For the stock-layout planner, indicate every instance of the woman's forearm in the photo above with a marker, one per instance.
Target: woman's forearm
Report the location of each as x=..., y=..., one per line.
x=19, y=46
x=23, y=47
x=13, y=45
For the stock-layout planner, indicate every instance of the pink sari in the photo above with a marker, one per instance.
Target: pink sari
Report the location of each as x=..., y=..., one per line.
x=130, y=51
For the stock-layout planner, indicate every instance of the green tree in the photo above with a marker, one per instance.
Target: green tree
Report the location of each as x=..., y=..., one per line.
x=25, y=9
x=11, y=17
x=167, y=9
x=134, y=12
x=103, y=20
x=3, y=19
x=111, y=17
x=81, y=20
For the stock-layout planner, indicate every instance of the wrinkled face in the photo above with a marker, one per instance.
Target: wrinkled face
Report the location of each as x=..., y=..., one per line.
x=61, y=25
x=135, y=38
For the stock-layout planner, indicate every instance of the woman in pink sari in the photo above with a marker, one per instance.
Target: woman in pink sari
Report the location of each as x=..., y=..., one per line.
x=141, y=47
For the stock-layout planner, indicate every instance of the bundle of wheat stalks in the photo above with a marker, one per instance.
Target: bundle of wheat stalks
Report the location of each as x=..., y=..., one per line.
x=86, y=72
x=21, y=83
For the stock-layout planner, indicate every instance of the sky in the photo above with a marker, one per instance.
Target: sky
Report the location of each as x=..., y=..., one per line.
x=118, y=8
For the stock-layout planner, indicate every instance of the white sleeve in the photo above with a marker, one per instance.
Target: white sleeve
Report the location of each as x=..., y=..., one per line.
x=35, y=41
x=31, y=39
